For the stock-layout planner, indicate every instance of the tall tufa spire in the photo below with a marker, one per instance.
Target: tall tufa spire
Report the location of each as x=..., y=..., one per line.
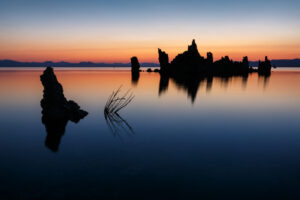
x=193, y=46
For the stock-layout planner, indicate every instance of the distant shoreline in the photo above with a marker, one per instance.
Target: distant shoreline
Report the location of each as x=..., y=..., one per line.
x=12, y=63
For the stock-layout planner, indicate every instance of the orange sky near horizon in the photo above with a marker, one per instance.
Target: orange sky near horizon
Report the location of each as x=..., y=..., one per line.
x=146, y=51
x=115, y=30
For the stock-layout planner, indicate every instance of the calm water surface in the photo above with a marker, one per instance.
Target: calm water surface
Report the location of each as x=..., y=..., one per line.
x=235, y=138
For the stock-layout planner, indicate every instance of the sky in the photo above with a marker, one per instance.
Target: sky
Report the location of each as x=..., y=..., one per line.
x=115, y=30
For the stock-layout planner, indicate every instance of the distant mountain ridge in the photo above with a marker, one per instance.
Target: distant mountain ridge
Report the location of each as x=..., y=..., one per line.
x=13, y=63
x=281, y=63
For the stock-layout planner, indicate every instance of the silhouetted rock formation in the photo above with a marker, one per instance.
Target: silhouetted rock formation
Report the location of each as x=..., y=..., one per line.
x=189, y=69
x=135, y=70
x=245, y=63
x=57, y=111
x=163, y=58
x=227, y=67
x=191, y=62
x=209, y=58
x=135, y=65
x=264, y=68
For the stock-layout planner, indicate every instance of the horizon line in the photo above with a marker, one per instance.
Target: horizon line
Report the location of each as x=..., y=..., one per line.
x=115, y=62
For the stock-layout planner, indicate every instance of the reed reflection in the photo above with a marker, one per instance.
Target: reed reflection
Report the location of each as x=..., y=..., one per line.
x=118, y=125
x=114, y=121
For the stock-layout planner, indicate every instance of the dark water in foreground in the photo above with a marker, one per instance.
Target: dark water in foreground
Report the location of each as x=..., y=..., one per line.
x=227, y=139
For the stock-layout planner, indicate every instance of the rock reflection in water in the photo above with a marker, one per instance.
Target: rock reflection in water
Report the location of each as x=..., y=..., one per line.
x=191, y=83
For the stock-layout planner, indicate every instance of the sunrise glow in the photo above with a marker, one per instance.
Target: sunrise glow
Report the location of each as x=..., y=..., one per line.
x=110, y=32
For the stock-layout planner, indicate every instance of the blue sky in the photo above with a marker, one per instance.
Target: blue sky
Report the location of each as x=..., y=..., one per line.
x=34, y=27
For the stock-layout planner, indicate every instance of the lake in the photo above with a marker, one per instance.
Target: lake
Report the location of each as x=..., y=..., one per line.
x=233, y=138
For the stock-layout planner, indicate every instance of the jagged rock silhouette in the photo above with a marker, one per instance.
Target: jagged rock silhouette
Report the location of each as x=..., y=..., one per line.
x=191, y=61
x=57, y=110
x=189, y=69
x=264, y=68
x=163, y=58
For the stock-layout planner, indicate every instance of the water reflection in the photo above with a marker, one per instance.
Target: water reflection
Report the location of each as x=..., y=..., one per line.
x=244, y=82
x=264, y=80
x=163, y=84
x=117, y=124
x=55, y=129
x=237, y=133
x=209, y=82
x=191, y=83
x=135, y=75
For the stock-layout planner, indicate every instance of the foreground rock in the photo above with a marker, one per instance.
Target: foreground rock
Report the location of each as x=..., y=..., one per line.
x=57, y=110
